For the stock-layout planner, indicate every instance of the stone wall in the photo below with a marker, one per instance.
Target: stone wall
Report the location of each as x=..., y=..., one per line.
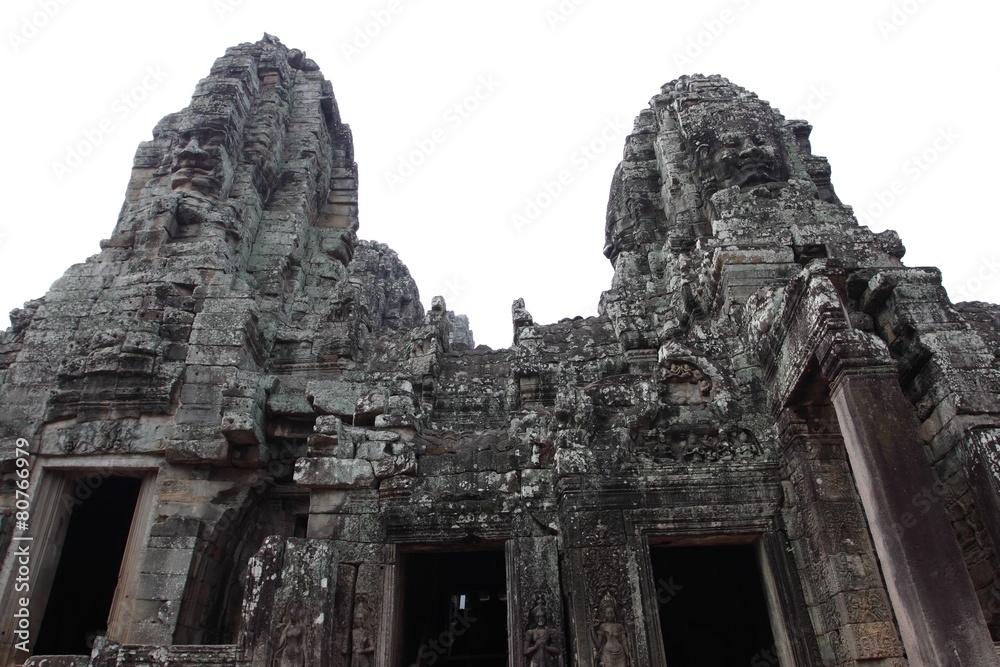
x=762, y=371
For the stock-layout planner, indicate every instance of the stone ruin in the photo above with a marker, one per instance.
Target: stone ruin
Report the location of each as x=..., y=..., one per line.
x=235, y=437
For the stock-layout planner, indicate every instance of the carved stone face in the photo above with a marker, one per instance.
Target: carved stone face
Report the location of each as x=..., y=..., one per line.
x=740, y=152
x=618, y=237
x=201, y=162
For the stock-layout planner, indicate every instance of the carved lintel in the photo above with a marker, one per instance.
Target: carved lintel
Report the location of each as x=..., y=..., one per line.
x=699, y=446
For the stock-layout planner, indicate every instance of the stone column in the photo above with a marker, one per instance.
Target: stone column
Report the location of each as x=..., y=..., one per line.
x=289, y=593
x=599, y=582
x=837, y=564
x=535, y=608
x=939, y=617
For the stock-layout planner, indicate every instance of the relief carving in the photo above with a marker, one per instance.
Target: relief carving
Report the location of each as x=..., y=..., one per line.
x=98, y=437
x=540, y=638
x=676, y=371
x=610, y=637
x=362, y=636
x=872, y=607
x=870, y=641
x=201, y=161
x=737, y=444
x=291, y=638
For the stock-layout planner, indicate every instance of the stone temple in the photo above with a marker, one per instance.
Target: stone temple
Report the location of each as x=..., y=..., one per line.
x=235, y=436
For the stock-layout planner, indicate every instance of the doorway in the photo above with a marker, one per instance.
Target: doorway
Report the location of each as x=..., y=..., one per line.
x=455, y=609
x=712, y=608
x=83, y=588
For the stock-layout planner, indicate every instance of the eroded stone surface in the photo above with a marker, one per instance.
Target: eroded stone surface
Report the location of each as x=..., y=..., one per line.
x=303, y=424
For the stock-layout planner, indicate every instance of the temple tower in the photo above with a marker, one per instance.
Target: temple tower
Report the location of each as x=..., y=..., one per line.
x=240, y=439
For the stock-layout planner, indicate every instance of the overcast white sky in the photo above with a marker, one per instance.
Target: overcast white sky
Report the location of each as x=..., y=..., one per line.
x=883, y=82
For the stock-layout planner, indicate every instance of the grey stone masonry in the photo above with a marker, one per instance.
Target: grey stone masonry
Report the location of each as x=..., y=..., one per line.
x=310, y=453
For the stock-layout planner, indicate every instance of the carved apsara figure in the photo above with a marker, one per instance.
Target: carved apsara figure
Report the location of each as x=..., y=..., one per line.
x=290, y=638
x=539, y=640
x=724, y=447
x=609, y=636
x=746, y=445
x=362, y=637
x=693, y=452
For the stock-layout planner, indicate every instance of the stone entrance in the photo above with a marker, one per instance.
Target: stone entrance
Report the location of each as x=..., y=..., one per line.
x=85, y=580
x=454, y=609
x=712, y=607
x=334, y=476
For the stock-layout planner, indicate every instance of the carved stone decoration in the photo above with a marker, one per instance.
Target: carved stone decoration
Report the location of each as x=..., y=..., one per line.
x=291, y=644
x=540, y=647
x=279, y=388
x=609, y=634
x=602, y=613
x=362, y=635
x=596, y=529
x=99, y=438
x=682, y=371
x=342, y=619
x=368, y=636
x=725, y=445
x=521, y=319
x=983, y=449
x=729, y=150
x=535, y=603
x=286, y=620
x=201, y=161
x=980, y=452
x=622, y=401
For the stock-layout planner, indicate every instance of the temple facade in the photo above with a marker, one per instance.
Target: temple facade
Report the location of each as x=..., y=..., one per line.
x=235, y=437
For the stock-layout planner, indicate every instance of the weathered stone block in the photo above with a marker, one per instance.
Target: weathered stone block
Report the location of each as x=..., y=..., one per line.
x=333, y=397
x=334, y=473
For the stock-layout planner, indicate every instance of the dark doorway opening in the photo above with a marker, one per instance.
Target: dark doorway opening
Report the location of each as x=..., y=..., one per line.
x=455, y=609
x=713, y=612
x=84, y=585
